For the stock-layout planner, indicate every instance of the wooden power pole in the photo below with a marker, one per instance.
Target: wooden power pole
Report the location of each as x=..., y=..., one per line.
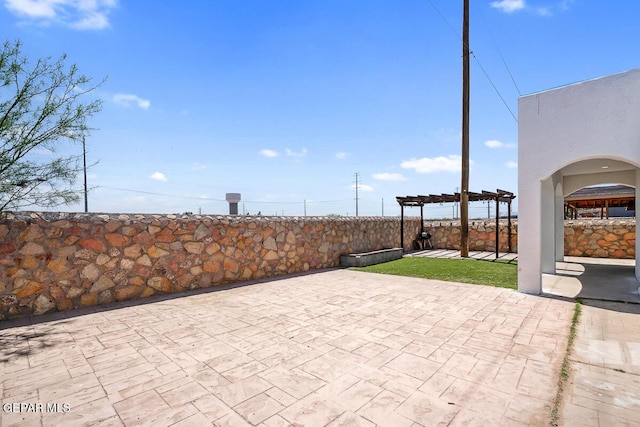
x=464, y=193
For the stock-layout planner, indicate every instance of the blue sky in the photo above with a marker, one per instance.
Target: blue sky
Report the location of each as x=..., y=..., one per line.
x=284, y=101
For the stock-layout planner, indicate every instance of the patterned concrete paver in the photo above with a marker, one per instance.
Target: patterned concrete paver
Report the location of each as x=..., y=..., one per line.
x=337, y=347
x=605, y=383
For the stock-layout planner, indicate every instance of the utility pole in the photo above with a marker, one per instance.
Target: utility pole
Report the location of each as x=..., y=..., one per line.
x=383, y=206
x=456, y=204
x=305, y=207
x=464, y=193
x=356, y=174
x=84, y=159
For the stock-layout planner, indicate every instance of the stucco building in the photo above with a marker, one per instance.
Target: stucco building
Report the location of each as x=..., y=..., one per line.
x=571, y=137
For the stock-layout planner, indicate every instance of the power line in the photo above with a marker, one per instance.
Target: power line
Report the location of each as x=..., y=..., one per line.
x=180, y=196
x=507, y=67
x=494, y=87
x=513, y=80
x=477, y=61
x=444, y=19
x=213, y=199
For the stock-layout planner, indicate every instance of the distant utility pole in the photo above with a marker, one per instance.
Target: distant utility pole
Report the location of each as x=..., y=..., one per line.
x=456, y=204
x=464, y=193
x=84, y=159
x=383, y=206
x=305, y=207
x=357, y=174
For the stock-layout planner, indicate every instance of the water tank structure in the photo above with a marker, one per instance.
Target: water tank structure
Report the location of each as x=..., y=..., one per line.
x=233, y=199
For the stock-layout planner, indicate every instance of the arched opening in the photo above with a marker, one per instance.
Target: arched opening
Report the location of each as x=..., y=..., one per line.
x=590, y=256
x=571, y=137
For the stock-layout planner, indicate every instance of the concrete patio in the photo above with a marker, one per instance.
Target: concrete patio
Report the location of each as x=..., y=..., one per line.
x=337, y=347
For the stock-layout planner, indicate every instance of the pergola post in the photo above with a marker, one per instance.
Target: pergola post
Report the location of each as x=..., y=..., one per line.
x=509, y=224
x=497, y=225
x=402, y=226
x=499, y=196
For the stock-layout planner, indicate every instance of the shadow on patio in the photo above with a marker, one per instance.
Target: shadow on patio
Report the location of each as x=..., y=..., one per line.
x=594, y=279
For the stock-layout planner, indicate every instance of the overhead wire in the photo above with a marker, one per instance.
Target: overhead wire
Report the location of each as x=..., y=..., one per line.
x=213, y=199
x=477, y=61
x=504, y=62
x=180, y=196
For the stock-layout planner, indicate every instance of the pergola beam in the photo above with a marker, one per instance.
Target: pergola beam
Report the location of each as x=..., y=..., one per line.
x=499, y=196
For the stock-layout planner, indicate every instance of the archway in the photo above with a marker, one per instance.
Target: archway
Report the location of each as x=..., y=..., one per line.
x=608, y=275
x=571, y=137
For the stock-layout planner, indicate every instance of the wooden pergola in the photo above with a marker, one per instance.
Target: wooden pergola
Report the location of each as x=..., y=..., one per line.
x=601, y=197
x=498, y=196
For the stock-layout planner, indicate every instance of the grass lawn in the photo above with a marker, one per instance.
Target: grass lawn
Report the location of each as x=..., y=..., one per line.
x=499, y=274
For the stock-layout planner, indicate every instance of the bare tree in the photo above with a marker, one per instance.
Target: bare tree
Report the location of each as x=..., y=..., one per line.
x=40, y=107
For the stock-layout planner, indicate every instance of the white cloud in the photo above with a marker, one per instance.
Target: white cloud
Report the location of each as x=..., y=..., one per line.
x=511, y=164
x=268, y=153
x=564, y=4
x=341, y=155
x=127, y=99
x=77, y=14
x=292, y=153
x=508, y=6
x=450, y=163
x=385, y=176
x=199, y=166
x=543, y=11
x=158, y=176
x=494, y=143
x=31, y=8
x=362, y=187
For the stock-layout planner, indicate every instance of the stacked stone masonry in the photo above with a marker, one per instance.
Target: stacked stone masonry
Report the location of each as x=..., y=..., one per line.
x=612, y=238
x=482, y=235
x=63, y=261
x=600, y=238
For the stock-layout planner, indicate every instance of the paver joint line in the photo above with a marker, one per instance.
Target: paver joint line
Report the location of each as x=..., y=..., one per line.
x=332, y=348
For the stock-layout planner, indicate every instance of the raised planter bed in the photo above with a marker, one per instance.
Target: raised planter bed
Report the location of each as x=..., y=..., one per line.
x=370, y=258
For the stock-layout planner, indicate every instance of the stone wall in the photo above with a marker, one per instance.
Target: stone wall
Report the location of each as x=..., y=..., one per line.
x=612, y=238
x=482, y=235
x=64, y=261
x=600, y=238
